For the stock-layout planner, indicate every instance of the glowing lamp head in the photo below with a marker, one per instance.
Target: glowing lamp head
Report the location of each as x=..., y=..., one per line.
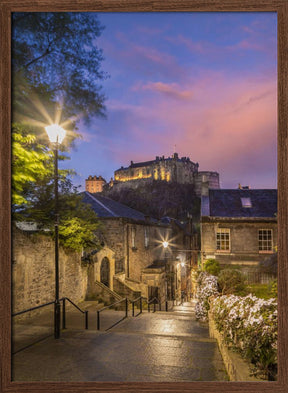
x=56, y=133
x=165, y=244
x=182, y=264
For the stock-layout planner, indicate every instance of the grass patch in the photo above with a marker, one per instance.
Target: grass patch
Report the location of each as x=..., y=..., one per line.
x=262, y=291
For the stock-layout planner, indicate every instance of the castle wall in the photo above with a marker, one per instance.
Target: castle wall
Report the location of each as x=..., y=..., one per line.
x=166, y=169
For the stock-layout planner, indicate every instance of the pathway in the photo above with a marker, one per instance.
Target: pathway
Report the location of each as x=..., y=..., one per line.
x=158, y=347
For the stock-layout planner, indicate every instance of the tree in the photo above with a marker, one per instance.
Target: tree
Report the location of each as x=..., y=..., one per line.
x=55, y=55
x=56, y=73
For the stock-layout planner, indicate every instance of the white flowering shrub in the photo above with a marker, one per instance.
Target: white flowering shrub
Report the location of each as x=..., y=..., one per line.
x=207, y=286
x=249, y=325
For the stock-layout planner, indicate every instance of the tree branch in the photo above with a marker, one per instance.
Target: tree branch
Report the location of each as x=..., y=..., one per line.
x=47, y=52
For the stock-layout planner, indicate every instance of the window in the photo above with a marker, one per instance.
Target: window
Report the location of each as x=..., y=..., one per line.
x=146, y=237
x=223, y=239
x=246, y=202
x=265, y=240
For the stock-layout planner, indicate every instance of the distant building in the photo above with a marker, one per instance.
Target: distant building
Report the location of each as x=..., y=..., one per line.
x=132, y=259
x=171, y=169
x=239, y=227
x=94, y=184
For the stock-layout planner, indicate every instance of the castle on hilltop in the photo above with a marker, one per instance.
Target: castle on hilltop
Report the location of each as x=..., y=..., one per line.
x=171, y=169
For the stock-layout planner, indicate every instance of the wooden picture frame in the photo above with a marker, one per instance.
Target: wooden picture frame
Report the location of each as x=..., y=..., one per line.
x=9, y=6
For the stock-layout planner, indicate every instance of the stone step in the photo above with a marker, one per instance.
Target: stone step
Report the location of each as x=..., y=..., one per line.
x=91, y=305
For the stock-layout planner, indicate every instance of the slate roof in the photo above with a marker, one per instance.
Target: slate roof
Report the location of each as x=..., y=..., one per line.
x=227, y=203
x=106, y=207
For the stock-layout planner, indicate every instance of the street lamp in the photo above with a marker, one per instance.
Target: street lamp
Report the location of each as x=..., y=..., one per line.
x=165, y=244
x=56, y=135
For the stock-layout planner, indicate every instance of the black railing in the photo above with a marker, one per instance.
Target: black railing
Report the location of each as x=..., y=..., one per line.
x=32, y=308
x=112, y=305
x=40, y=337
x=154, y=301
x=133, y=302
x=63, y=299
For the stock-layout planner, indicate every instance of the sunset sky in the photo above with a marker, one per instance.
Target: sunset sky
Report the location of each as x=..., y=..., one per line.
x=205, y=82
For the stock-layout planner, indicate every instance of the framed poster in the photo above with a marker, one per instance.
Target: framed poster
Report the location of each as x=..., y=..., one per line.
x=152, y=44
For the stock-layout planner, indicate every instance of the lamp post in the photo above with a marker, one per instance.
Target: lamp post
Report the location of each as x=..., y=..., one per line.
x=56, y=134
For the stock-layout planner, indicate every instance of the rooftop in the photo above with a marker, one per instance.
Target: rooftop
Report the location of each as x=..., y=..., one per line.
x=240, y=203
x=106, y=207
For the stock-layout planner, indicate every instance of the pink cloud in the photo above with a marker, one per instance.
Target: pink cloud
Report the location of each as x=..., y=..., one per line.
x=168, y=89
x=142, y=59
x=208, y=48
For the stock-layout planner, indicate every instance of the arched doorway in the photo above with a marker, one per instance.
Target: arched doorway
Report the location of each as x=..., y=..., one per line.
x=105, y=272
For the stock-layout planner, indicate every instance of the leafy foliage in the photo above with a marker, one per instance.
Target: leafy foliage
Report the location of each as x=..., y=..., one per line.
x=31, y=162
x=212, y=266
x=274, y=288
x=57, y=54
x=231, y=281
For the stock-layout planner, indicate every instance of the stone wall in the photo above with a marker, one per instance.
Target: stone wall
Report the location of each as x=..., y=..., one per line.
x=114, y=237
x=141, y=255
x=33, y=271
x=236, y=367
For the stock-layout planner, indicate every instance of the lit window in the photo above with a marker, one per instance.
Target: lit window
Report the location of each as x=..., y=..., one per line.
x=265, y=240
x=246, y=202
x=223, y=239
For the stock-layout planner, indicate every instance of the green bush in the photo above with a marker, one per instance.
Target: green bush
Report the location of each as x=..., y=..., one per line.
x=273, y=286
x=231, y=281
x=211, y=266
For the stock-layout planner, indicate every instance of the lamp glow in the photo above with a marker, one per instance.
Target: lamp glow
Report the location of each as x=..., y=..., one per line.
x=56, y=133
x=165, y=244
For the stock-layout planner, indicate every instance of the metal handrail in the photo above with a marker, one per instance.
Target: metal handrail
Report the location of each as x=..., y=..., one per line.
x=33, y=308
x=154, y=301
x=63, y=299
x=133, y=305
x=111, y=305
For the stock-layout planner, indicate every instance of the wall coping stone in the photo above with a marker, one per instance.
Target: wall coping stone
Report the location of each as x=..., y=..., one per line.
x=236, y=367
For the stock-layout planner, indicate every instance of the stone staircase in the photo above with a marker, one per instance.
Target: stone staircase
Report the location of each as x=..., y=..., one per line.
x=127, y=287
x=103, y=294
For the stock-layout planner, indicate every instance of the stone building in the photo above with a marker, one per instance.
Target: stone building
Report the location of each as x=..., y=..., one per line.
x=239, y=227
x=138, y=263
x=171, y=169
x=94, y=183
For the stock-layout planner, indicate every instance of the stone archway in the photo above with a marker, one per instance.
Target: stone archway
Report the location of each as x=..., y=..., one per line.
x=105, y=272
